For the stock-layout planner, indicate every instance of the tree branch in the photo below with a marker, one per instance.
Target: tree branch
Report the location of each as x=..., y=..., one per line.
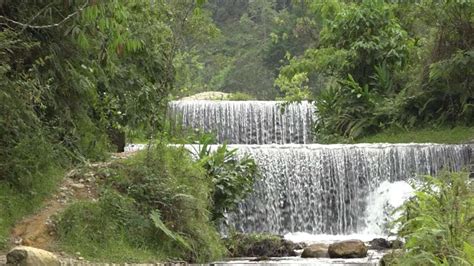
x=49, y=25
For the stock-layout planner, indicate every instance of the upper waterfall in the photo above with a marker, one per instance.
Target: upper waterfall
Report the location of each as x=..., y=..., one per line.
x=247, y=122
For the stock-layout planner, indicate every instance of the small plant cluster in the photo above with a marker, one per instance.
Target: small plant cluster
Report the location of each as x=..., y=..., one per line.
x=438, y=222
x=163, y=204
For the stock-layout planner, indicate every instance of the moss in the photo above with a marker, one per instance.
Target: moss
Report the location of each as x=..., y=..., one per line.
x=260, y=245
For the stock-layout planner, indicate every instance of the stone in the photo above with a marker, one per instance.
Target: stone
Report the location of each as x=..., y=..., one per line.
x=379, y=244
x=259, y=245
x=348, y=249
x=78, y=185
x=316, y=251
x=30, y=256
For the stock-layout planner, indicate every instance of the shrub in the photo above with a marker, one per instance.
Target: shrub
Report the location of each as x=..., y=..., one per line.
x=438, y=223
x=156, y=204
x=232, y=177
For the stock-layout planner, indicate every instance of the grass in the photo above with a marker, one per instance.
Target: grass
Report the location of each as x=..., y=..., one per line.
x=119, y=227
x=432, y=135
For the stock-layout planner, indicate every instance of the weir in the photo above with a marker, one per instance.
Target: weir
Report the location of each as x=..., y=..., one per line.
x=313, y=188
x=324, y=189
x=246, y=122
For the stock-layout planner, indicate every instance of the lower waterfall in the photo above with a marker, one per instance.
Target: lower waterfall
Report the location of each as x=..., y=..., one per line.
x=324, y=189
x=337, y=189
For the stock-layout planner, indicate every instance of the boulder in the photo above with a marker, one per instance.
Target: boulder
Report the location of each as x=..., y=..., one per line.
x=259, y=245
x=347, y=249
x=30, y=256
x=316, y=251
x=379, y=244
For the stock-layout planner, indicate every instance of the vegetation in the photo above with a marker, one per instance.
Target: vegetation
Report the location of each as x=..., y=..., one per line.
x=158, y=205
x=232, y=177
x=438, y=223
x=77, y=77
x=379, y=66
x=425, y=135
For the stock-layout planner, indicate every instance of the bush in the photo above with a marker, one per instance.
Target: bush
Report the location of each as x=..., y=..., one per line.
x=438, y=222
x=155, y=204
x=232, y=177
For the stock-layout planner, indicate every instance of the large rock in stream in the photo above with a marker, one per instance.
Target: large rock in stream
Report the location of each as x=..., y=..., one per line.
x=348, y=249
x=260, y=245
x=29, y=256
x=316, y=251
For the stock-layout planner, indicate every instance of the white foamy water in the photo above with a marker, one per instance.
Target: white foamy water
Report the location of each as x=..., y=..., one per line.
x=246, y=122
x=381, y=206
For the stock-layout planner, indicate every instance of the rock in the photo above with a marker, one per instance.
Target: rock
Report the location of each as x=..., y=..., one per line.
x=262, y=258
x=29, y=256
x=379, y=244
x=259, y=245
x=396, y=244
x=78, y=185
x=316, y=251
x=347, y=249
x=208, y=95
x=300, y=245
x=390, y=258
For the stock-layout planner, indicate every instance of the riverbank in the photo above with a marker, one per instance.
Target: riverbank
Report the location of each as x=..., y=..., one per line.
x=456, y=135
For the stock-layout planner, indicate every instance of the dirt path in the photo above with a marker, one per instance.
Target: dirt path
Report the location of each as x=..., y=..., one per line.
x=37, y=230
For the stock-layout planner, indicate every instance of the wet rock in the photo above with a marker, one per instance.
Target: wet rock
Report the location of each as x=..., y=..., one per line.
x=316, y=251
x=262, y=258
x=29, y=256
x=396, y=244
x=259, y=245
x=301, y=245
x=379, y=244
x=348, y=249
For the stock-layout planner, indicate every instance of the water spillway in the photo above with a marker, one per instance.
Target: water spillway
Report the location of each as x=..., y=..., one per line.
x=246, y=122
x=312, y=188
x=323, y=189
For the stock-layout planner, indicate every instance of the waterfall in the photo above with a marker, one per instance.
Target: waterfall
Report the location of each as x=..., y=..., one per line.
x=323, y=189
x=312, y=188
x=246, y=122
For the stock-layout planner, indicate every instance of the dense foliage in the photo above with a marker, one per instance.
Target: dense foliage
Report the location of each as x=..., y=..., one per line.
x=438, y=222
x=231, y=176
x=75, y=75
x=157, y=202
x=380, y=65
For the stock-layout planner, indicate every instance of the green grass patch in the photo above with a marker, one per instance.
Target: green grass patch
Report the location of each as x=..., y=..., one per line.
x=153, y=207
x=432, y=135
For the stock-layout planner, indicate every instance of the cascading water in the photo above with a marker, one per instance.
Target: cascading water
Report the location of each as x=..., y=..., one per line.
x=246, y=122
x=323, y=189
x=334, y=191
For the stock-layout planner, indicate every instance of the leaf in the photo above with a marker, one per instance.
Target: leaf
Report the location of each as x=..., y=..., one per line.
x=155, y=217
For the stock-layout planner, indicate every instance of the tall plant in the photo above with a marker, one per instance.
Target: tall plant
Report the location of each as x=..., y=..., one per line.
x=232, y=176
x=438, y=222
